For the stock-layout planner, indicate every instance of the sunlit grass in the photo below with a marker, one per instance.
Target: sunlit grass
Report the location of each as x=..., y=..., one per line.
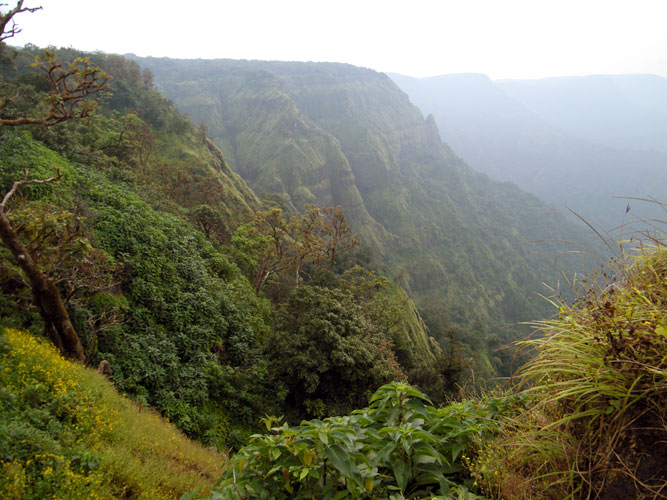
x=66, y=433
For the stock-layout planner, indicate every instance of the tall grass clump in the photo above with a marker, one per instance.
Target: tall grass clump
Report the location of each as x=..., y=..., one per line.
x=597, y=425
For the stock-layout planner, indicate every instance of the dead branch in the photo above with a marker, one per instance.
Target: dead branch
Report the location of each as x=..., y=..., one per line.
x=25, y=181
x=5, y=19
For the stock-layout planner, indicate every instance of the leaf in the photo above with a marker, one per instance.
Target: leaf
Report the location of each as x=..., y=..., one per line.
x=384, y=454
x=417, y=406
x=307, y=458
x=455, y=452
x=368, y=484
x=340, y=460
x=401, y=473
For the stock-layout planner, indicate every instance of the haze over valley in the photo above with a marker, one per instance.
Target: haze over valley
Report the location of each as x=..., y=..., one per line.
x=363, y=250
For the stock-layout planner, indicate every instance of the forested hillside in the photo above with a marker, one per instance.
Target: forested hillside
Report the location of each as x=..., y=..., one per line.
x=303, y=294
x=575, y=142
x=197, y=295
x=472, y=252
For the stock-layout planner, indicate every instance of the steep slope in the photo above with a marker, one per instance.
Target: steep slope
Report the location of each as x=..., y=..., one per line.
x=513, y=138
x=150, y=238
x=66, y=433
x=457, y=241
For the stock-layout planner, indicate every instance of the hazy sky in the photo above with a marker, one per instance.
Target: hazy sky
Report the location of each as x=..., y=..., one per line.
x=502, y=38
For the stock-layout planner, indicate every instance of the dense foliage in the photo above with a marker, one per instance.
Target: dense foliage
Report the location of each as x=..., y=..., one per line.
x=473, y=253
x=162, y=256
x=201, y=301
x=399, y=447
x=584, y=425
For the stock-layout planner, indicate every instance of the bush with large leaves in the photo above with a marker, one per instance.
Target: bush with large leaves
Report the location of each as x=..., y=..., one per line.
x=399, y=447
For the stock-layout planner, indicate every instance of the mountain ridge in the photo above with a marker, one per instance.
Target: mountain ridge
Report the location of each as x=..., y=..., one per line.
x=291, y=129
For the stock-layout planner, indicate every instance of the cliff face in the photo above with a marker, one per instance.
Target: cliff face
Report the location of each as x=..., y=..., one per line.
x=335, y=134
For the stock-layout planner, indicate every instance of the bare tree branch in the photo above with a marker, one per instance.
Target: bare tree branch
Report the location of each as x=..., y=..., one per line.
x=25, y=181
x=5, y=19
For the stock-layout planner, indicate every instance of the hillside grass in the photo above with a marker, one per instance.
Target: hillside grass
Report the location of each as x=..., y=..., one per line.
x=597, y=425
x=66, y=433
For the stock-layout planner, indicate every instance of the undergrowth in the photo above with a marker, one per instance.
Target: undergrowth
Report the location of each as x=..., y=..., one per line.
x=399, y=447
x=66, y=433
x=597, y=427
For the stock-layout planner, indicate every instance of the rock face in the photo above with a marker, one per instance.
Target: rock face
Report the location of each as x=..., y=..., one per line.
x=334, y=134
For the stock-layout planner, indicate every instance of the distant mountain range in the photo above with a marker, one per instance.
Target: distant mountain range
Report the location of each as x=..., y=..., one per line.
x=463, y=245
x=576, y=142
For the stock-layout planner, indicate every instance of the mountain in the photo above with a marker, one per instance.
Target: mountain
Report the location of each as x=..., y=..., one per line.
x=151, y=242
x=534, y=134
x=461, y=244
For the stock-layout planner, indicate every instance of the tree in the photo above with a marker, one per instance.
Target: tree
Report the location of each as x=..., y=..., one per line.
x=5, y=30
x=202, y=133
x=134, y=143
x=69, y=87
x=148, y=78
x=307, y=236
x=209, y=221
x=67, y=98
x=270, y=244
x=339, y=235
x=57, y=324
x=325, y=352
x=265, y=242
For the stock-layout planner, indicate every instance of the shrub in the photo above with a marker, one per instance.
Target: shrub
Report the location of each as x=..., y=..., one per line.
x=399, y=447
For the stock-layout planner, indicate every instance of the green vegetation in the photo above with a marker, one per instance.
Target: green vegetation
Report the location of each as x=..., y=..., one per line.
x=161, y=255
x=399, y=447
x=66, y=433
x=212, y=307
x=598, y=387
x=472, y=253
x=584, y=425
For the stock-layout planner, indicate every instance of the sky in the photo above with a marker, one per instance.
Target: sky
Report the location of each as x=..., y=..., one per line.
x=501, y=38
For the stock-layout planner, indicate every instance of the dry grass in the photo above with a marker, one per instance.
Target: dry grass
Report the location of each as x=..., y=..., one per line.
x=596, y=428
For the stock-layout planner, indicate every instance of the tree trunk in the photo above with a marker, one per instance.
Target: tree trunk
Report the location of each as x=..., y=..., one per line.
x=57, y=324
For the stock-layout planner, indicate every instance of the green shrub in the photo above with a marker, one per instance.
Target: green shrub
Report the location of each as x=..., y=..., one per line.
x=399, y=447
